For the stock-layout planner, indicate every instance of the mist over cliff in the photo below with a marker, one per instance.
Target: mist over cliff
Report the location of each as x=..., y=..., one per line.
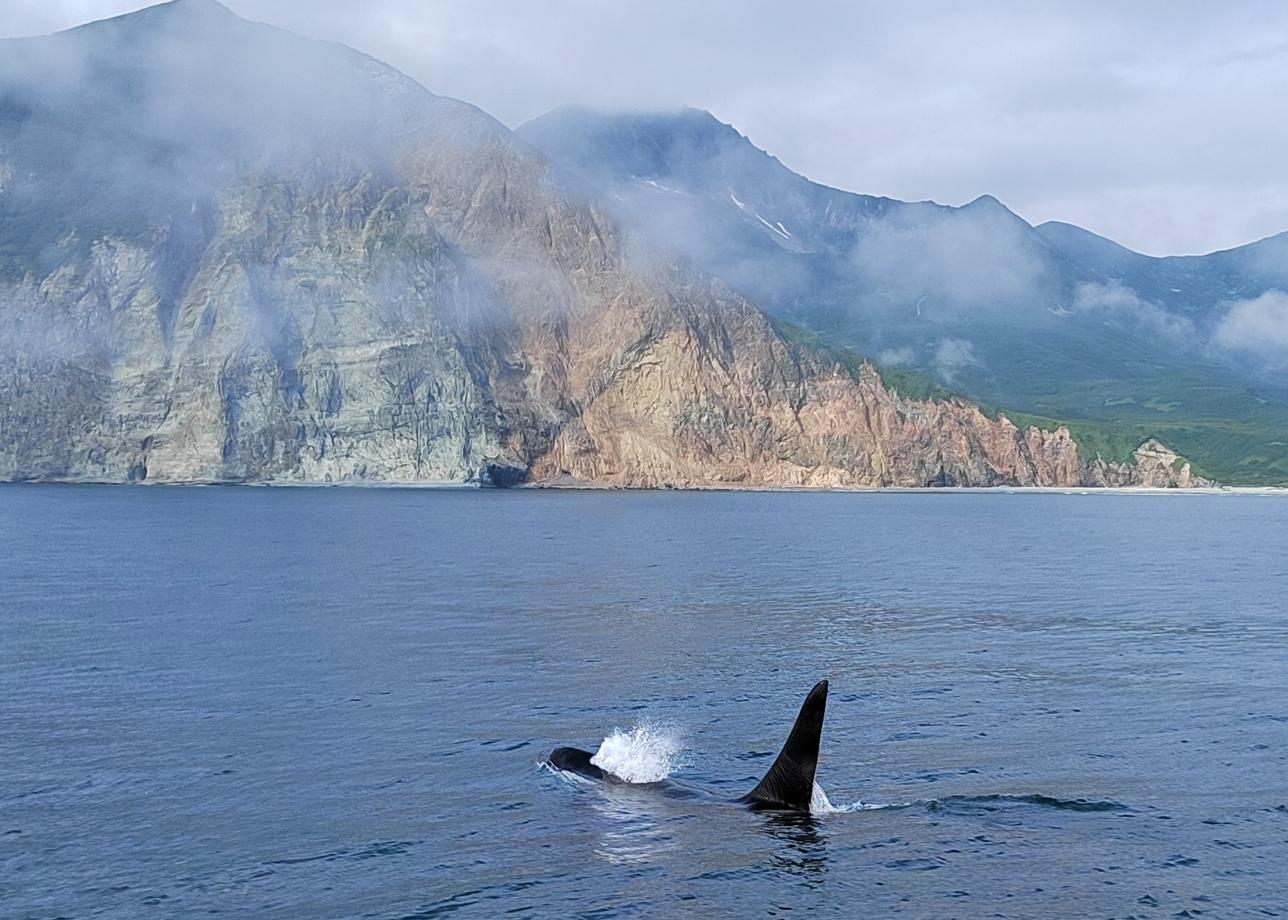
x=1051, y=321
x=228, y=253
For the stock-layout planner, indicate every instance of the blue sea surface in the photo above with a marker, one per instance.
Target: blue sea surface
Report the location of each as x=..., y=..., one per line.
x=316, y=703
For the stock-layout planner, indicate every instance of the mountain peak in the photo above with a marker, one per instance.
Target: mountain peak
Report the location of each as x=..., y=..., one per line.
x=987, y=202
x=187, y=9
x=645, y=144
x=170, y=13
x=197, y=7
x=587, y=119
x=987, y=207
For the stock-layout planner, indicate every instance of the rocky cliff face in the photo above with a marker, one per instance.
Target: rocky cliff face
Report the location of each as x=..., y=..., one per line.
x=1153, y=466
x=1051, y=321
x=717, y=398
x=400, y=292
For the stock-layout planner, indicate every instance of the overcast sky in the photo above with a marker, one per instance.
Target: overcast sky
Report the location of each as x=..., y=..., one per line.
x=1160, y=125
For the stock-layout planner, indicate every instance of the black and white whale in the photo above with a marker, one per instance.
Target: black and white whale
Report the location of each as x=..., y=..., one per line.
x=789, y=784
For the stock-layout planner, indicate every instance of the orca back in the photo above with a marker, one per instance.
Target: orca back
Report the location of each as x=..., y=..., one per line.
x=789, y=784
x=575, y=760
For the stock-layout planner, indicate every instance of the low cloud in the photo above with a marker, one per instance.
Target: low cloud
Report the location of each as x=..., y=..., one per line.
x=1257, y=327
x=952, y=356
x=932, y=108
x=1117, y=300
x=896, y=357
x=950, y=262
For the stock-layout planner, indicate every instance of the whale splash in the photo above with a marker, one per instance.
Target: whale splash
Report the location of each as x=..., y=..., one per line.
x=648, y=753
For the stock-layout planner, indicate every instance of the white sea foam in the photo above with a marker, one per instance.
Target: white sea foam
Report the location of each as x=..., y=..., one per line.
x=820, y=804
x=645, y=754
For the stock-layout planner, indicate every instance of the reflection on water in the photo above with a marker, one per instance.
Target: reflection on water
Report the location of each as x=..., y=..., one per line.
x=802, y=850
x=632, y=832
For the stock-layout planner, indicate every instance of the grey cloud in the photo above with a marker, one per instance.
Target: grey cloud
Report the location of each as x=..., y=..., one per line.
x=1145, y=122
x=896, y=357
x=1255, y=328
x=1258, y=327
x=93, y=176
x=977, y=258
x=1117, y=300
x=952, y=356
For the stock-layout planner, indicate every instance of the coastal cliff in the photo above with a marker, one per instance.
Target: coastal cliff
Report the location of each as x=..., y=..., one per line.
x=357, y=280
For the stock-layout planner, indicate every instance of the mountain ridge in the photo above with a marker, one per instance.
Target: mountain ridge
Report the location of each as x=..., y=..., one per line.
x=698, y=115
x=244, y=256
x=1052, y=322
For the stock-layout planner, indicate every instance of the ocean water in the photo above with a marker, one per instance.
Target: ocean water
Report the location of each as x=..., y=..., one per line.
x=314, y=703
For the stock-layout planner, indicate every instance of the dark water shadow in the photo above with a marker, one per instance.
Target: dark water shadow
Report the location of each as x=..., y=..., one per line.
x=992, y=802
x=803, y=850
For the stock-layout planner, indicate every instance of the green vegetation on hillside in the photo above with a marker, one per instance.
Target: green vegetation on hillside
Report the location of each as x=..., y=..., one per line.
x=907, y=382
x=1228, y=432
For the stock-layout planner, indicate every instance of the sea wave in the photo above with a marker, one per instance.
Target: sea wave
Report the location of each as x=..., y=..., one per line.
x=821, y=805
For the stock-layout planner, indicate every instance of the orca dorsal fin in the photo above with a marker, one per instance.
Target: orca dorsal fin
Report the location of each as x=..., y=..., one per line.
x=789, y=784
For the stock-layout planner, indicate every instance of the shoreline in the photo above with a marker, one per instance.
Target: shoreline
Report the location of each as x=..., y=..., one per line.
x=454, y=485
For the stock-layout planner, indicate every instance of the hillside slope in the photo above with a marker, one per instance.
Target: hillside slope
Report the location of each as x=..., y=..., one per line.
x=229, y=254
x=1052, y=321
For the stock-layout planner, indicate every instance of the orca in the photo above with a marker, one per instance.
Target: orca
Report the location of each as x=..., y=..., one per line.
x=789, y=784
